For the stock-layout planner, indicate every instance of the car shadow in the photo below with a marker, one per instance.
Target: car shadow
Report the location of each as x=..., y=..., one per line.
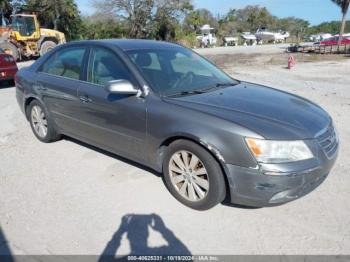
x=136, y=228
x=6, y=84
x=117, y=157
x=5, y=252
x=227, y=202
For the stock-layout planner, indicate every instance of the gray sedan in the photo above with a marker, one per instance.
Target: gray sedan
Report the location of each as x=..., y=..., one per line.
x=164, y=106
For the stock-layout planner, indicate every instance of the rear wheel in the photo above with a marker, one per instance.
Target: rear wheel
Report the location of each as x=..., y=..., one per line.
x=46, y=47
x=41, y=124
x=193, y=176
x=10, y=49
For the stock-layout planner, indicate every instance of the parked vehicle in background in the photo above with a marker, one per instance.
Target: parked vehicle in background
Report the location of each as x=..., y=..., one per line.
x=25, y=39
x=263, y=34
x=248, y=38
x=8, y=67
x=230, y=41
x=168, y=108
x=334, y=41
x=207, y=38
x=319, y=37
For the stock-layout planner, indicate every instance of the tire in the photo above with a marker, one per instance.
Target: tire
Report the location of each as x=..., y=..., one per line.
x=11, y=82
x=211, y=184
x=10, y=49
x=46, y=47
x=50, y=135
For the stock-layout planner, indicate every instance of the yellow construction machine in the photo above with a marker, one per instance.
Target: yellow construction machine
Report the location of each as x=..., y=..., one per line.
x=24, y=38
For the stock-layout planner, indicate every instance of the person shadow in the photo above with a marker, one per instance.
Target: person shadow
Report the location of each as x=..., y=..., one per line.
x=5, y=252
x=136, y=228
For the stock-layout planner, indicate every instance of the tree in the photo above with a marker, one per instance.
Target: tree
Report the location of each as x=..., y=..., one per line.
x=98, y=26
x=328, y=27
x=344, y=5
x=62, y=15
x=147, y=18
x=137, y=14
x=253, y=17
x=6, y=8
x=199, y=17
x=17, y=4
x=295, y=26
x=168, y=14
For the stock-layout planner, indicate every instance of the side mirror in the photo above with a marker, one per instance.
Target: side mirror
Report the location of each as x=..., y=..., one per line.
x=121, y=87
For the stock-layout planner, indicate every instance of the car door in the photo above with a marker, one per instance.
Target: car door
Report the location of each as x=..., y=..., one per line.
x=115, y=122
x=57, y=81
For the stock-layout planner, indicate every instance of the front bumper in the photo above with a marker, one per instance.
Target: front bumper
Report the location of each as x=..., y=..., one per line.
x=259, y=188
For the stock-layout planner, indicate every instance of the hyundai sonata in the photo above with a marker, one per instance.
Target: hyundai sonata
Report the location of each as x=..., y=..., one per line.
x=164, y=106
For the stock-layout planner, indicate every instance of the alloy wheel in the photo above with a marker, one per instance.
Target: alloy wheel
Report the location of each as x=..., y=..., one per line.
x=39, y=121
x=189, y=176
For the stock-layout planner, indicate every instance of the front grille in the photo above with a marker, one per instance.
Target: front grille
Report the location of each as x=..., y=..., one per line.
x=328, y=140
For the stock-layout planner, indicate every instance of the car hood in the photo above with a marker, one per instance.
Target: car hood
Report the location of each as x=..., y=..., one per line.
x=270, y=113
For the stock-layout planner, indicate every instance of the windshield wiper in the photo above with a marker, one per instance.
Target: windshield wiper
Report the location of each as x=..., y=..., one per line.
x=203, y=90
x=184, y=93
x=217, y=85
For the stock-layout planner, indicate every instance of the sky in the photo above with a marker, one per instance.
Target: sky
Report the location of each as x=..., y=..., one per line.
x=314, y=11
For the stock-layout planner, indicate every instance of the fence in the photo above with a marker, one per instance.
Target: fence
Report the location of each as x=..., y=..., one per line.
x=321, y=49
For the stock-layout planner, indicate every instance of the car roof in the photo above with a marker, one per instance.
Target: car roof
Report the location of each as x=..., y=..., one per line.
x=130, y=44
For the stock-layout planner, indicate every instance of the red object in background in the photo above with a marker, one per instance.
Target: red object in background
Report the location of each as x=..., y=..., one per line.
x=291, y=62
x=8, y=67
x=334, y=41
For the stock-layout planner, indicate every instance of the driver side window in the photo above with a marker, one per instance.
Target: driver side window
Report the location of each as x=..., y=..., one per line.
x=105, y=66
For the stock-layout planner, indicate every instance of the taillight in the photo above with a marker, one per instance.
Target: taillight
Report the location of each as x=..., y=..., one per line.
x=9, y=58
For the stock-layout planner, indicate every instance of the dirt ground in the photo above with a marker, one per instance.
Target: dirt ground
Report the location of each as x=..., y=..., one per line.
x=68, y=198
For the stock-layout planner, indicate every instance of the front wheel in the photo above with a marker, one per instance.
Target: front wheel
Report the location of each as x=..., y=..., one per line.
x=46, y=47
x=193, y=176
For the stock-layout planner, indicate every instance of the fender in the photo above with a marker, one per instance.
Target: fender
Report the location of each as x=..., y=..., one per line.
x=28, y=99
x=165, y=143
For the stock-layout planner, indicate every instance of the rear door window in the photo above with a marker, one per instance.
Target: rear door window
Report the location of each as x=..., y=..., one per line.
x=66, y=63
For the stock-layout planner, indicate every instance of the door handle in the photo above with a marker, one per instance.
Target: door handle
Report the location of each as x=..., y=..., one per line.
x=41, y=87
x=85, y=99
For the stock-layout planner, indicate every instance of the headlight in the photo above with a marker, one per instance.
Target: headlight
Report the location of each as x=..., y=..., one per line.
x=269, y=151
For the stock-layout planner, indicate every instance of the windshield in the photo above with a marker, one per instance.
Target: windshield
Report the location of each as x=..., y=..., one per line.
x=25, y=25
x=178, y=70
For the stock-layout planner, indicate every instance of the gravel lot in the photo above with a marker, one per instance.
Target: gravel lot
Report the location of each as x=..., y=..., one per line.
x=68, y=198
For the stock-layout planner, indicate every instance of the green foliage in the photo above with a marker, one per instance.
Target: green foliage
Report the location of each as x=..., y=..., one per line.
x=195, y=19
x=251, y=18
x=170, y=20
x=343, y=4
x=297, y=27
x=185, y=38
x=6, y=8
x=167, y=16
x=147, y=18
x=99, y=27
x=62, y=15
x=328, y=27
